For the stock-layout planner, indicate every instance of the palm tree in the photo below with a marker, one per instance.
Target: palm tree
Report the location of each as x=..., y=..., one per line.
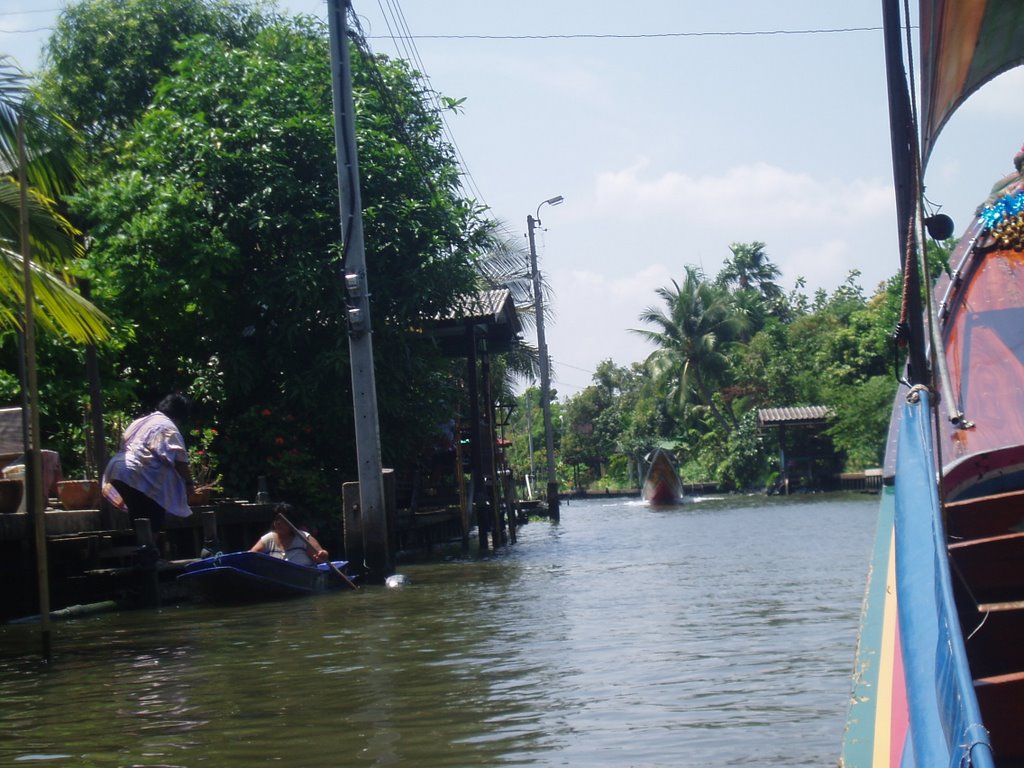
x=692, y=336
x=504, y=262
x=54, y=242
x=750, y=268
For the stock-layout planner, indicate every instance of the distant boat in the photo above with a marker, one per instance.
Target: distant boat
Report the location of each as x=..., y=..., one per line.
x=662, y=485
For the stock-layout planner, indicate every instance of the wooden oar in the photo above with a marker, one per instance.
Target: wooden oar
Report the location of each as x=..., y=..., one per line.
x=306, y=537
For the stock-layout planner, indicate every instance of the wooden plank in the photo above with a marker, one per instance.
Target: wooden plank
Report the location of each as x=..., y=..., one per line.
x=1001, y=698
x=1015, y=605
x=985, y=516
x=989, y=567
x=994, y=643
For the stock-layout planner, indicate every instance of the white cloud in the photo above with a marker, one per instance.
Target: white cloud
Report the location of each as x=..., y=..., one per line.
x=640, y=227
x=819, y=228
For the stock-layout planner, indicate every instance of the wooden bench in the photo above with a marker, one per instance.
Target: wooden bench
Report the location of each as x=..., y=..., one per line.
x=985, y=516
x=1001, y=698
x=991, y=568
x=989, y=588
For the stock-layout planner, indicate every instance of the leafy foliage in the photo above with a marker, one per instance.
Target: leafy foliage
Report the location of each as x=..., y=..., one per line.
x=726, y=349
x=213, y=213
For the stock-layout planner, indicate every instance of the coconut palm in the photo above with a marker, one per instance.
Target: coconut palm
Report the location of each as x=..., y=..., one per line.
x=53, y=241
x=692, y=335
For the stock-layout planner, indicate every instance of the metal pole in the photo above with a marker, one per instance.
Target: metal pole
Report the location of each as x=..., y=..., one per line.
x=545, y=384
x=903, y=139
x=379, y=561
x=33, y=463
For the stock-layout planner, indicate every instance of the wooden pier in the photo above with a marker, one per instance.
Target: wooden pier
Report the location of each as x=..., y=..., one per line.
x=96, y=554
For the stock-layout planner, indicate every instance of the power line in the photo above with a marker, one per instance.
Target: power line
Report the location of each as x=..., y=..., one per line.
x=405, y=42
x=31, y=11
x=651, y=35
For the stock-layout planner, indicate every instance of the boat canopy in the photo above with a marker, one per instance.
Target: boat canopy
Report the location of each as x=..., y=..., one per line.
x=963, y=46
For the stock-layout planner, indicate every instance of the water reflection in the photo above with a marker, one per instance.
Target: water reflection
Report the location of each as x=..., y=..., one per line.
x=713, y=634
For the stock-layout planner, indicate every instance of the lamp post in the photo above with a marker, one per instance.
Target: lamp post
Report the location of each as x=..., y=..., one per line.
x=542, y=349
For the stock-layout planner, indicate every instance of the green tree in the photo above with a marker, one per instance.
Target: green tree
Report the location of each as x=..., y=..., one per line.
x=216, y=242
x=863, y=421
x=594, y=420
x=105, y=58
x=749, y=268
x=693, y=334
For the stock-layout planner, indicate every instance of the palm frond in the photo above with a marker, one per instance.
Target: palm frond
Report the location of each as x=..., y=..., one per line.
x=57, y=306
x=50, y=141
x=54, y=240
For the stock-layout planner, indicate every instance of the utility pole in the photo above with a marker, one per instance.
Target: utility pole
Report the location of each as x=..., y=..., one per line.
x=376, y=543
x=529, y=442
x=542, y=350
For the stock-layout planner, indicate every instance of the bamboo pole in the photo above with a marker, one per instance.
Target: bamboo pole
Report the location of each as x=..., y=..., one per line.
x=33, y=464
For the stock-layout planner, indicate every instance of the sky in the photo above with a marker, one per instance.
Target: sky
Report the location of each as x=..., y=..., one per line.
x=673, y=129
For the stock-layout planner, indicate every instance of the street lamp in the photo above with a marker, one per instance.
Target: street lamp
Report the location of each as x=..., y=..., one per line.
x=542, y=349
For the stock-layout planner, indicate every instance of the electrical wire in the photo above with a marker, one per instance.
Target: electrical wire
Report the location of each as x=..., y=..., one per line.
x=405, y=41
x=656, y=35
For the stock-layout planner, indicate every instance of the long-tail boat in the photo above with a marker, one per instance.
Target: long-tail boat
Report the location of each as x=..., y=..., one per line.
x=662, y=485
x=939, y=672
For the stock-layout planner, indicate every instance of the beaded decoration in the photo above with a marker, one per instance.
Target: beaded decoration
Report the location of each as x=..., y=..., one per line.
x=1005, y=220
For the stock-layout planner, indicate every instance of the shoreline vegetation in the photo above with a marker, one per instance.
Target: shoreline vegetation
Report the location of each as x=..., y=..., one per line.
x=213, y=272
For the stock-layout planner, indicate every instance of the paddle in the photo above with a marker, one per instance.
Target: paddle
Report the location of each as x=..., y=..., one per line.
x=306, y=538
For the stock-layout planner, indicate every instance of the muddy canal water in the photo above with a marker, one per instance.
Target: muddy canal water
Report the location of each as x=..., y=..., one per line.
x=720, y=633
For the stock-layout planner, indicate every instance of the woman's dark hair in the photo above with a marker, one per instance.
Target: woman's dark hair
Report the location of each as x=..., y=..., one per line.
x=287, y=510
x=176, y=407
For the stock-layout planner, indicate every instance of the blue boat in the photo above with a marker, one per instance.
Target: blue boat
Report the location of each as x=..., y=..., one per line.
x=246, y=577
x=939, y=673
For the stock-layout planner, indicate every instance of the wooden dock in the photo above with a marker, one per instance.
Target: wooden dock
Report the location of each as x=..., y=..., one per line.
x=96, y=554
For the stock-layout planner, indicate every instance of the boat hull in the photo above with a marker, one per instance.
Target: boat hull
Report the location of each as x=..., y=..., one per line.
x=876, y=723
x=246, y=577
x=662, y=485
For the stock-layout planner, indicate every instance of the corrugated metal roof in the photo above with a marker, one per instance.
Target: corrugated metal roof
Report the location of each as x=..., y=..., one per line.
x=491, y=305
x=800, y=414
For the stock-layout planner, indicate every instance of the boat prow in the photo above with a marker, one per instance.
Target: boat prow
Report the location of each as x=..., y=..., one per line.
x=662, y=486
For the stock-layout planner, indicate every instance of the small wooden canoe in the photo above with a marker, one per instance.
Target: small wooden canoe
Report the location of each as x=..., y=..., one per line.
x=241, y=577
x=662, y=485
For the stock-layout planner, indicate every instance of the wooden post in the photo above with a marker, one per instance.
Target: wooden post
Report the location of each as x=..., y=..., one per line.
x=146, y=561
x=34, y=502
x=391, y=510
x=211, y=543
x=490, y=446
x=478, y=493
x=460, y=478
x=98, y=448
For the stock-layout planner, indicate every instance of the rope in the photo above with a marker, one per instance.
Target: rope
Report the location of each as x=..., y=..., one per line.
x=914, y=395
